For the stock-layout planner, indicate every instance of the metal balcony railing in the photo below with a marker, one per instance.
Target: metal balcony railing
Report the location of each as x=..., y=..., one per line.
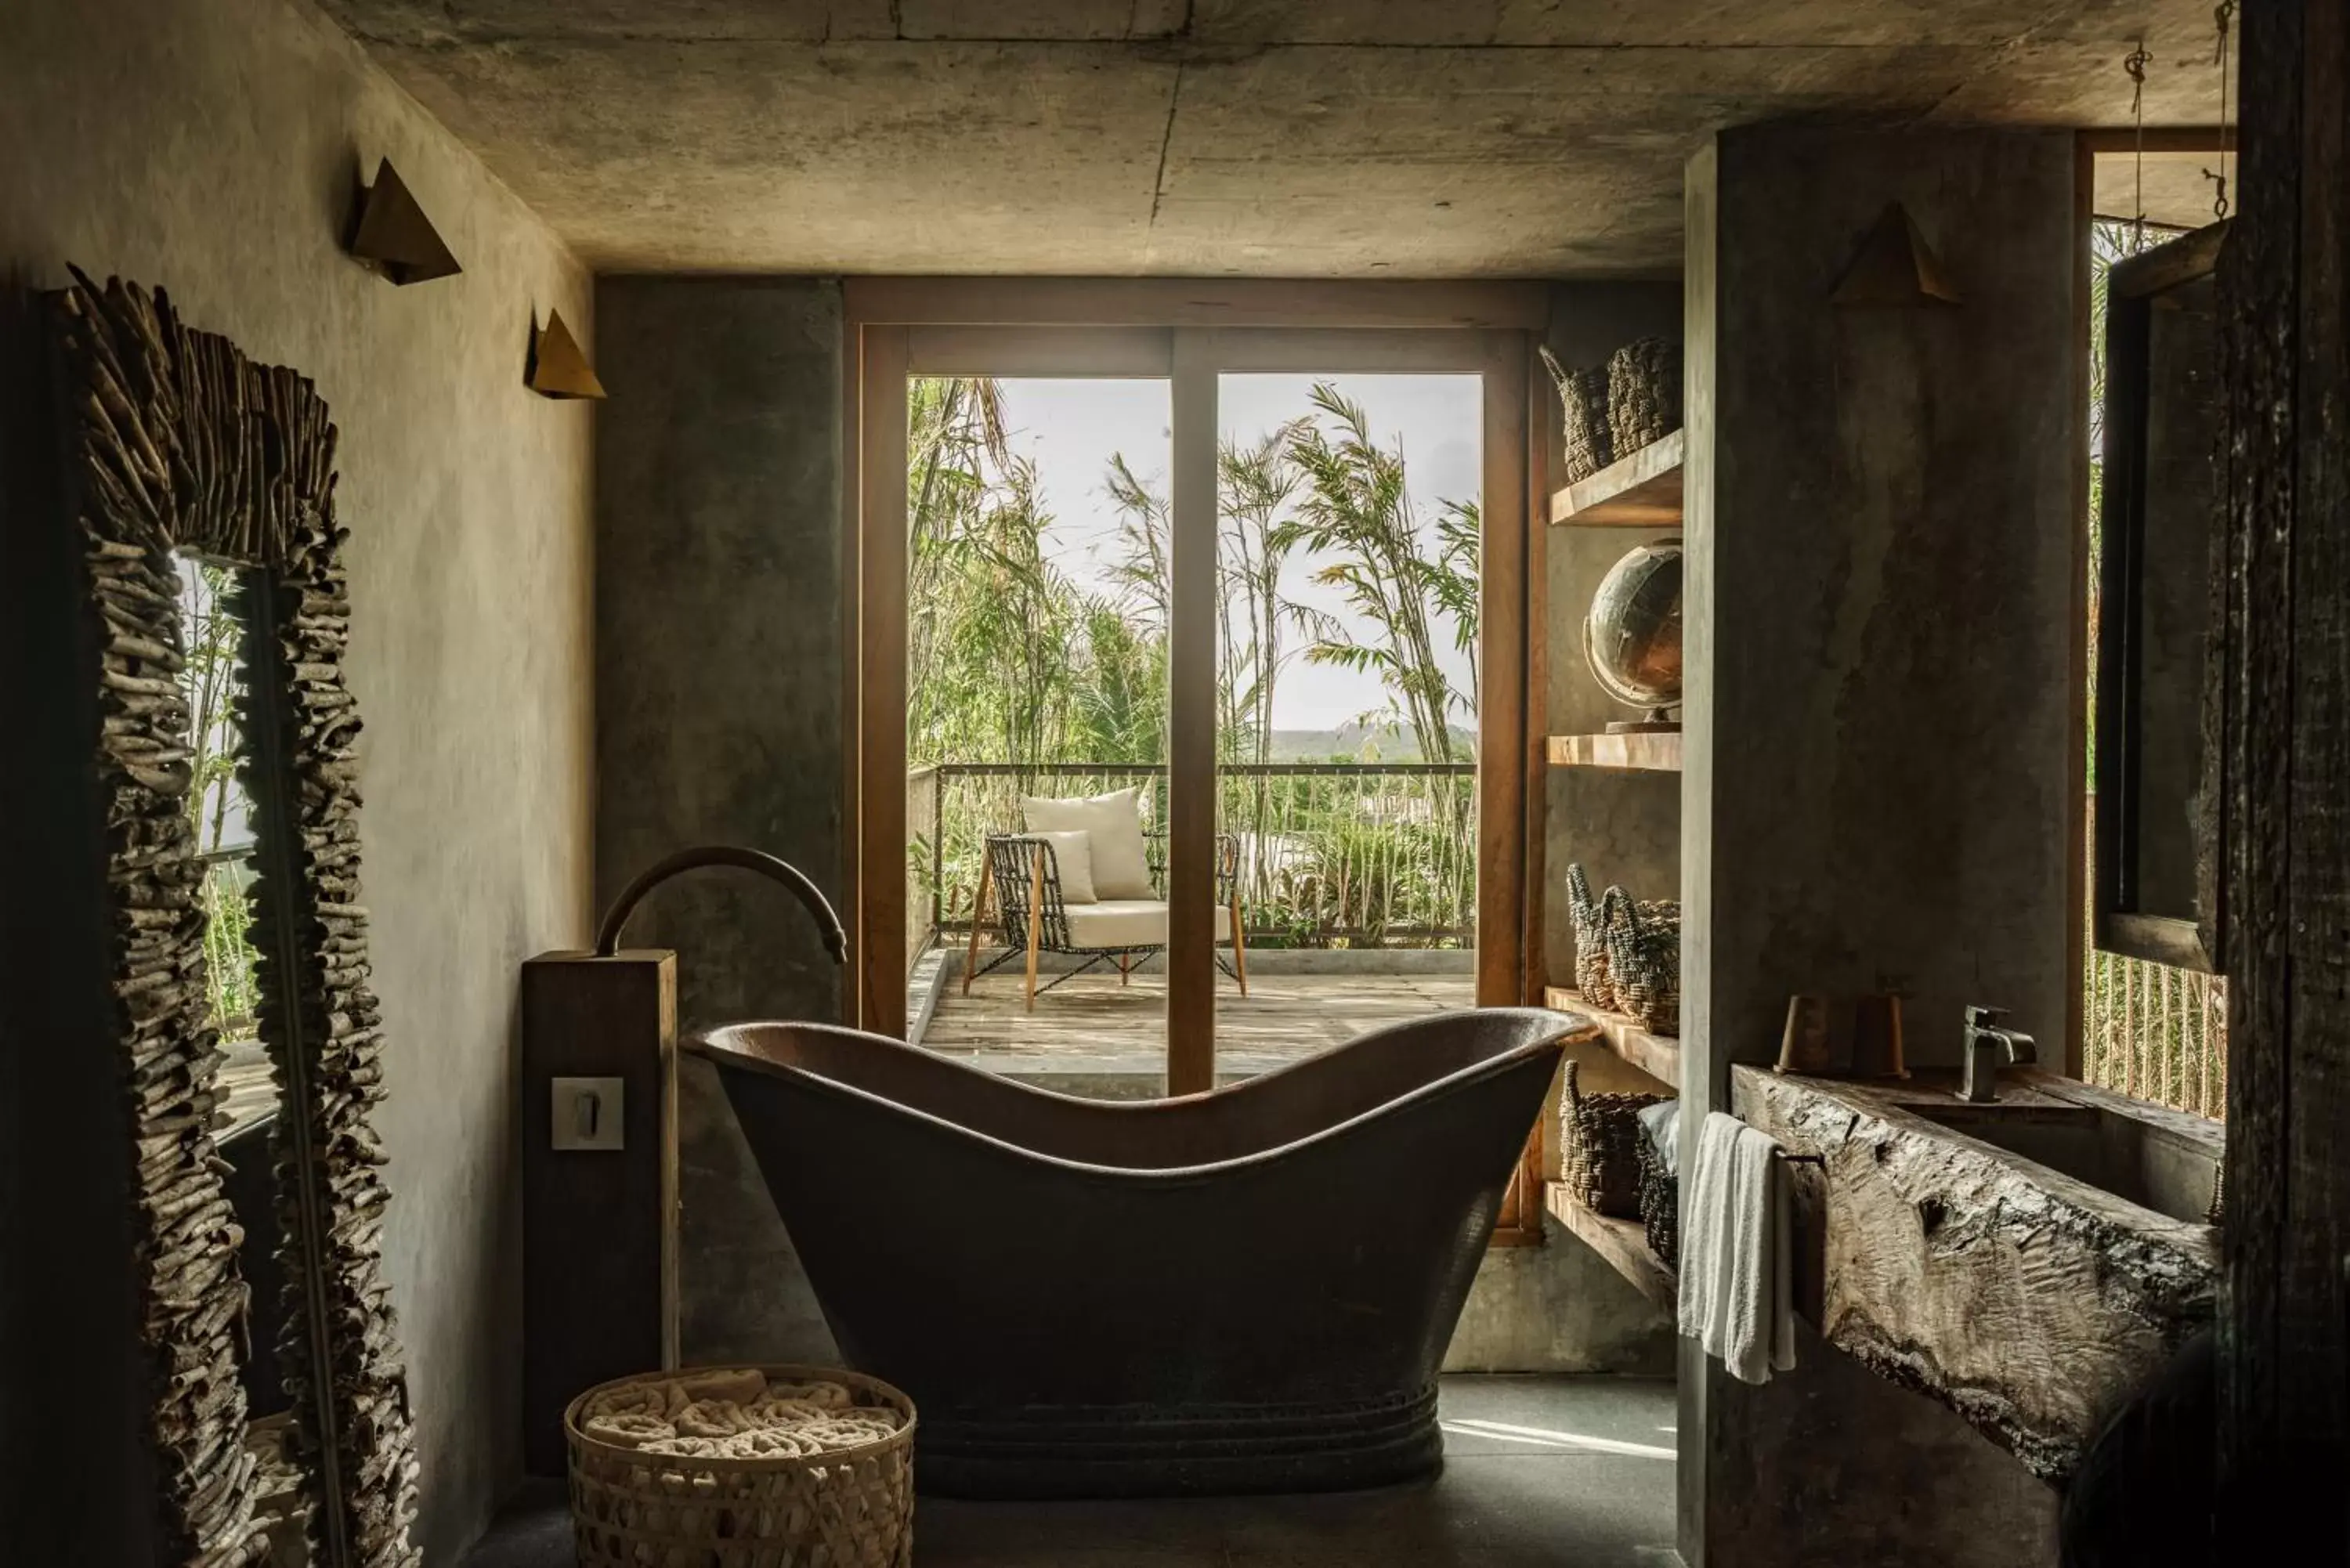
x=1333, y=855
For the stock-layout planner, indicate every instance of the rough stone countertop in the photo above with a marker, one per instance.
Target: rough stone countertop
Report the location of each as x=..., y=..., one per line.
x=2029, y=1302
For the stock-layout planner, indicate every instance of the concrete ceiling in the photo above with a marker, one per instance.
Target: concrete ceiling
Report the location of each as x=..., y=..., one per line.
x=1348, y=138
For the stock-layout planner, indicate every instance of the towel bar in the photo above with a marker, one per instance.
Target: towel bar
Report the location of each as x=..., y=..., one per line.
x=1819, y=1159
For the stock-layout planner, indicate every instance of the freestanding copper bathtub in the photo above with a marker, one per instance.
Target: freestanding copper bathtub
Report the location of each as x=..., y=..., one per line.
x=1244, y=1291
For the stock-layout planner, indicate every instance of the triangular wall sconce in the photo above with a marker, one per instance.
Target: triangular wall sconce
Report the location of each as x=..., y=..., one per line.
x=557, y=369
x=393, y=233
x=1895, y=266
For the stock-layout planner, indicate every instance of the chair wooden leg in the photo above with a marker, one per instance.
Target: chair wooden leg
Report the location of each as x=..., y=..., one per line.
x=1240, y=950
x=977, y=918
x=1036, y=919
x=1123, y=960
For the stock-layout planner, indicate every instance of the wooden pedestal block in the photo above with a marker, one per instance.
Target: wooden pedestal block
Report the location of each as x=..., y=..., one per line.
x=599, y=1226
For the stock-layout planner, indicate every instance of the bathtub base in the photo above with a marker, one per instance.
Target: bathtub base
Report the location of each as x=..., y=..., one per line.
x=1218, y=1450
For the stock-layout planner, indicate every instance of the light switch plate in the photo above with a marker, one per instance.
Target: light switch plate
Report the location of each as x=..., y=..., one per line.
x=588, y=1113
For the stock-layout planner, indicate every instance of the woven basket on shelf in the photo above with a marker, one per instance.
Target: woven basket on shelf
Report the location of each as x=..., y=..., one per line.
x=1660, y=1204
x=1643, y=394
x=1599, y=1139
x=1644, y=962
x=1583, y=399
x=850, y=1507
x=1588, y=917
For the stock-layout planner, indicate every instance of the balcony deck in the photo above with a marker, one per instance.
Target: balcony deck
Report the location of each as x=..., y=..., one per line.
x=1092, y=1027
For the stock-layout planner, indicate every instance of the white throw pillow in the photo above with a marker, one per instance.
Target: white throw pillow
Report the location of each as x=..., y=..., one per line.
x=1073, y=858
x=1114, y=822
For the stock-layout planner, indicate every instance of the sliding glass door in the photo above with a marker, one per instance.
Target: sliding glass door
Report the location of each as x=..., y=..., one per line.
x=1349, y=510
x=1037, y=608
x=1256, y=595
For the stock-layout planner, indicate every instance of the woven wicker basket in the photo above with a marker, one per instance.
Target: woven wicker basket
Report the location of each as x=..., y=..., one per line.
x=1588, y=917
x=1644, y=962
x=1582, y=401
x=848, y=1508
x=1660, y=1204
x=1601, y=1138
x=1643, y=394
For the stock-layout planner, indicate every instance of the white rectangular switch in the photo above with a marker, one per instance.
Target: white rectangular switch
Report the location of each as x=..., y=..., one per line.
x=586, y=1113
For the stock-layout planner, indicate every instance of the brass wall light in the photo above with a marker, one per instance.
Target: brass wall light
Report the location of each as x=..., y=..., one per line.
x=557, y=366
x=393, y=235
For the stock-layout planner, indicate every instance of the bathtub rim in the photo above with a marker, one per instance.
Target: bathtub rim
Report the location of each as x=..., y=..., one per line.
x=1572, y=1028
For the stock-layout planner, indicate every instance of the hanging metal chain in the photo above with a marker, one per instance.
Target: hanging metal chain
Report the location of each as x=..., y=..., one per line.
x=2135, y=63
x=2221, y=17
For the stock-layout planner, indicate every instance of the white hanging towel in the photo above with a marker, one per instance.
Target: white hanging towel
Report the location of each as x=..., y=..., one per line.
x=1737, y=1273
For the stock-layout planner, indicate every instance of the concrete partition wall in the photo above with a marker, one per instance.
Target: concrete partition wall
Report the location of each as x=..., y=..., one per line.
x=719, y=676
x=1882, y=520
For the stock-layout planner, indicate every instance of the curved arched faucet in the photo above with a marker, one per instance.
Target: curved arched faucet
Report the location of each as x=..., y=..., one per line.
x=608, y=933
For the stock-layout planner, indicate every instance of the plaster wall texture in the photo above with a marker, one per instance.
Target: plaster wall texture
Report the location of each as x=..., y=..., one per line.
x=719, y=719
x=1559, y=1308
x=211, y=147
x=1882, y=531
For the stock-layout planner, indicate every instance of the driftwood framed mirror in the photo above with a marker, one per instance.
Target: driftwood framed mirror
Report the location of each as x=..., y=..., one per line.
x=202, y=486
x=2159, y=821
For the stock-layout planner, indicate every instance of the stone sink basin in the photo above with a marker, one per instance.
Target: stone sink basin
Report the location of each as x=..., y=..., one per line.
x=2028, y=1262
x=2158, y=1159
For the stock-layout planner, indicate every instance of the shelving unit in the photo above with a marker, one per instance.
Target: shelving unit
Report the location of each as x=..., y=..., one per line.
x=1622, y=1242
x=1655, y=751
x=1642, y=490
x=1659, y=1055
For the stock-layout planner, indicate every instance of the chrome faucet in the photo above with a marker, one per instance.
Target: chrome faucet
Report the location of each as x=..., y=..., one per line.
x=1979, y=1076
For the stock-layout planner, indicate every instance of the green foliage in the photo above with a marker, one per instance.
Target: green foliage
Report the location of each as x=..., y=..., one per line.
x=1355, y=505
x=212, y=682
x=1011, y=660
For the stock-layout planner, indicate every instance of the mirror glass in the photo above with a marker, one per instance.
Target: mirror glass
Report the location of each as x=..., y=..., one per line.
x=212, y=682
x=2182, y=433
x=216, y=682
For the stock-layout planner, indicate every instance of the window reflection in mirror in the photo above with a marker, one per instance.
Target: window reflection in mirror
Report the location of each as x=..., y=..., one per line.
x=212, y=632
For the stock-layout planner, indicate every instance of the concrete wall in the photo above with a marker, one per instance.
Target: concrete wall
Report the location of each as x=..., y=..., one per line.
x=1881, y=528
x=718, y=706
x=211, y=147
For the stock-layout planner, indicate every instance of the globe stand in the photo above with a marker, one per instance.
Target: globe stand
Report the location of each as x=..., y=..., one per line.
x=1659, y=722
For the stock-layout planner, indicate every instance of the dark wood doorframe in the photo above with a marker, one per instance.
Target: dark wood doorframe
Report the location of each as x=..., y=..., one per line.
x=1492, y=326
x=2284, y=1322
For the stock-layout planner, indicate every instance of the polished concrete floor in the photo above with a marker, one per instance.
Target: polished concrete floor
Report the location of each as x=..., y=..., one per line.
x=1539, y=1471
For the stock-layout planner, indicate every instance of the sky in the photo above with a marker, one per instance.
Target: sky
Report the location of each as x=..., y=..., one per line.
x=1070, y=428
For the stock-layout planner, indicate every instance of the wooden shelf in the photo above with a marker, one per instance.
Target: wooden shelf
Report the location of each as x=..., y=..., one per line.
x=1655, y=751
x=1642, y=490
x=1659, y=1055
x=1622, y=1242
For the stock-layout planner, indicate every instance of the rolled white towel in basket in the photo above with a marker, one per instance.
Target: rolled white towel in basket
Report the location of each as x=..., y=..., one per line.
x=1737, y=1264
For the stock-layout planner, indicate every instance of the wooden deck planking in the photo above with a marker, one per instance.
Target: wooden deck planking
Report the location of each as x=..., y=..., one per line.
x=1092, y=1017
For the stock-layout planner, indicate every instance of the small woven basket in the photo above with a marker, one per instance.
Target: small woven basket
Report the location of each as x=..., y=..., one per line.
x=1644, y=962
x=1583, y=402
x=1643, y=394
x=1600, y=1137
x=1660, y=1204
x=847, y=1508
x=1587, y=916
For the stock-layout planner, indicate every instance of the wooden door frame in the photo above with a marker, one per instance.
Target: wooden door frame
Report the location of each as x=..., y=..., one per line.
x=1114, y=327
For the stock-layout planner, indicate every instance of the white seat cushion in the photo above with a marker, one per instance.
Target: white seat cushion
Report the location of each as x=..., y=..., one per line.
x=1131, y=923
x=1121, y=870
x=1073, y=860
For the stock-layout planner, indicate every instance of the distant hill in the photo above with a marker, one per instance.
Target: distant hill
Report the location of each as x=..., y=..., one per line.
x=1359, y=743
